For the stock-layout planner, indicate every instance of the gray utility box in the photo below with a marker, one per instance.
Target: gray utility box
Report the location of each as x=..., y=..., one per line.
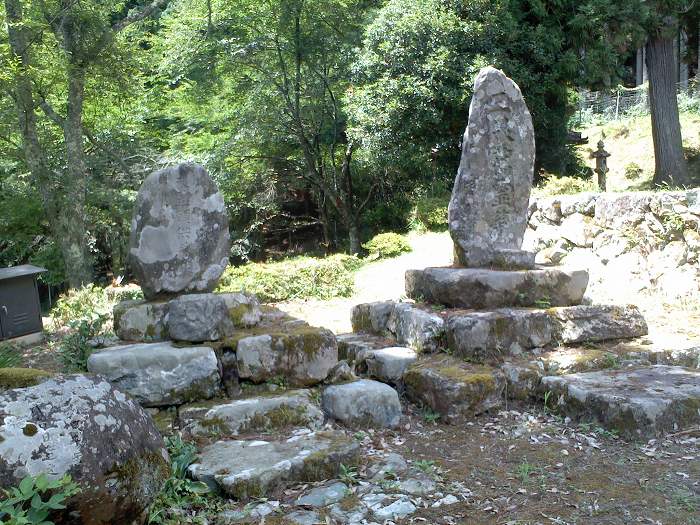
x=20, y=311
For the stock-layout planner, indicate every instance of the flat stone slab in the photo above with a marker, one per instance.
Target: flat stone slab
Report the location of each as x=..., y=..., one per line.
x=389, y=364
x=642, y=403
x=363, y=403
x=254, y=414
x=483, y=289
x=356, y=347
x=455, y=390
x=159, y=374
x=252, y=469
x=512, y=331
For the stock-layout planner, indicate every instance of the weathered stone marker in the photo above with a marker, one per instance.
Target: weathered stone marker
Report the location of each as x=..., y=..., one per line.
x=488, y=209
x=179, y=233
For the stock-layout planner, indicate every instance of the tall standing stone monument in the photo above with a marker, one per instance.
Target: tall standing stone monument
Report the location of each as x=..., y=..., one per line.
x=179, y=233
x=488, y=209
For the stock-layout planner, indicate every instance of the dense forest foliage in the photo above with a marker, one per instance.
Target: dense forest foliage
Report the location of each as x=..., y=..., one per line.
x=323, y=121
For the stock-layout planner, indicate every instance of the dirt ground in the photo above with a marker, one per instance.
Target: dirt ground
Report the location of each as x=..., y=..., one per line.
x=531, y=467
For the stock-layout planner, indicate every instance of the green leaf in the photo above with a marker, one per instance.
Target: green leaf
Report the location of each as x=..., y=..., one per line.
x=26, y=487
x=37, y=502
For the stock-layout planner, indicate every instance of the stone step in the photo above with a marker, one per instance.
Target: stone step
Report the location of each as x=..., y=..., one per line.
x=644, y=402
x=524, y=374
x=512, y=331
x=362, y=403
x=245, y=470
x=411, y=325
x=159, y=374
x=486, y=289
x=454, y=389
x=192, y=318
x=294, y=408
x=354, y=347
x=483, y=335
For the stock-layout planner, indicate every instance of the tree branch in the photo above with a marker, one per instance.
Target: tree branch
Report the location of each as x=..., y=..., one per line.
x=137, y=16
x=51, y=113
x=109, y=151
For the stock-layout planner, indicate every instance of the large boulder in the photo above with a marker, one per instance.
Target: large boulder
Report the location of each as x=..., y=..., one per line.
x=488, y=211
x=84, y=427
x=179, y=232
x=160, y=374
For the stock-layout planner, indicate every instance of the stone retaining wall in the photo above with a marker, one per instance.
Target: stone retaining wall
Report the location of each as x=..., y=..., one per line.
x=633, y=244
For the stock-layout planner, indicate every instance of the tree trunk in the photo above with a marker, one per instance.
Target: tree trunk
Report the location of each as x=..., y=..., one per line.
x=671, y=167
x=354, y=235
x=72, y=218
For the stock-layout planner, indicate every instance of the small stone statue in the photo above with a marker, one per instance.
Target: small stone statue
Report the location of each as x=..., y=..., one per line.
x=601, y=163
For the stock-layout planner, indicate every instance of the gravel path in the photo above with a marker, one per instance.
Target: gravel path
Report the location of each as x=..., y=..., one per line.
x=379, y=281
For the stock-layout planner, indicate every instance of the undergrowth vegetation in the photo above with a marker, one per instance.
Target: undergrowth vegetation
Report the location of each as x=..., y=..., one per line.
x=386, y=245
x=90, y=303
x=430, y=214
x=180, y=495
x=34, y=500
x=296, y=278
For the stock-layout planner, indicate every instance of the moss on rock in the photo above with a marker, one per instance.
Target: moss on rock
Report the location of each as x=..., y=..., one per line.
x=11, y=378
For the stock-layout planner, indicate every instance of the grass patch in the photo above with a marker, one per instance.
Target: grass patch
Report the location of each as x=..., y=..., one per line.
x=296, y=278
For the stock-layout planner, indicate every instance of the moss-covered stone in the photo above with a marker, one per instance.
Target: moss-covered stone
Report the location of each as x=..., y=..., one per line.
x=454, y=389
x=11, y=378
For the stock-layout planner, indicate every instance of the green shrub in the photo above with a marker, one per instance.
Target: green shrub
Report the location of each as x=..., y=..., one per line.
x=633, y=171
x=430, y=214
x=75, y=349
x=26, y=503
x=297, y=278
x=386, y=245
x=88, y=303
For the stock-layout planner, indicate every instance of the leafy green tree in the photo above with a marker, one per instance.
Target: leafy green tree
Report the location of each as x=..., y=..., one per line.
x=281, y=68
x=56, y=55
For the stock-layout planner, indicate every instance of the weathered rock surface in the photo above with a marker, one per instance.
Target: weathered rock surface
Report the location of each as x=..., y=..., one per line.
x=250, y=469
x=141, y=321
x=179, y=232
x=159, y=374
x=84, y=427
x=423, y=331
x=210, y=317
x=372, y=317
x=481, y=289
x=356, y=347
x=389, y=364
x=488, y=209
x=512, y=331
x=454, y=389
x=302, y=355
x=362, y=403
x=255, y=414
x=639, y=403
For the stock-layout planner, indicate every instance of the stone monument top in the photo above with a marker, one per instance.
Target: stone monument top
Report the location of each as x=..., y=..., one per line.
x=179, y=239
x=488, y=208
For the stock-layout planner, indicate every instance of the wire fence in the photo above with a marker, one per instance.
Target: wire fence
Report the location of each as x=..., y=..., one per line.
x=622, y=102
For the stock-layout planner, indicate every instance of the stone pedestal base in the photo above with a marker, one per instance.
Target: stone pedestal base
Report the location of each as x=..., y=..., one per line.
x=486, y=289
x=470, y=256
